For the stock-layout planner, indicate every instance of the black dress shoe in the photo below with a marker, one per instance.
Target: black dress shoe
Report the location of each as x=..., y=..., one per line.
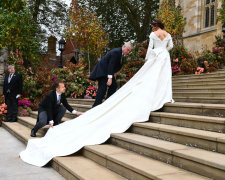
x=7, y=120
x=33, y=134
x=13, y=121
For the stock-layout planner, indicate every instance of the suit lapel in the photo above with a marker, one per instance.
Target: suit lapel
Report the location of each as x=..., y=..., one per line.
x=55, y=97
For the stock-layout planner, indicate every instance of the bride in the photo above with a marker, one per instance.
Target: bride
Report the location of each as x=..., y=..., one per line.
x=147, y=91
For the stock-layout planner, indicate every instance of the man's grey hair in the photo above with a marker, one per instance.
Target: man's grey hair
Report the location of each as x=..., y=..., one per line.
x=11, y=66
x=128, y=44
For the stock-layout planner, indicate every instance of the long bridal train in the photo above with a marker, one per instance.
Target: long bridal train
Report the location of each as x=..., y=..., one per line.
x=147, y=91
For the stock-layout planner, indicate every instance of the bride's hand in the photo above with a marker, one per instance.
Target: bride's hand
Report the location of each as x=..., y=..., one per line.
x=109, y=82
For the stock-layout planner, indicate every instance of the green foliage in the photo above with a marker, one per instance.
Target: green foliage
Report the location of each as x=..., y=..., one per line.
x=221, y=16
x=76, y=81
x=180, y=53
x=88, y=30
x=50, y=15
x=124, y=20
x=19, y=31
x=189, y=66
x=172, y=16
x=12, y=5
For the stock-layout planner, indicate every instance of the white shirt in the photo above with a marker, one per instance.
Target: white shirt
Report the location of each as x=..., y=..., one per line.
x=58, y=97
x=10, y=77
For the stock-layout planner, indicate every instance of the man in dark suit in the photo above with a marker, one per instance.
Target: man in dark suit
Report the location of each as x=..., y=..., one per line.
x=12, y=90
x=50, y=111
x=105, y=69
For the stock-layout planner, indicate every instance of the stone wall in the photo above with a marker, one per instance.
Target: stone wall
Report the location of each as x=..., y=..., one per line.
x=196, y=36
x=3, y=60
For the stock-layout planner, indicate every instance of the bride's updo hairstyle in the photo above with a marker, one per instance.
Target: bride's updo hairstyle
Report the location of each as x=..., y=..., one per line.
x=158, y=23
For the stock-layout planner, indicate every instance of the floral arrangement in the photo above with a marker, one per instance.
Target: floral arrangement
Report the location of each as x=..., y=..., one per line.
x=175, y=67
x=24, y=102
x=3, y=109
x=24, y=108
x=90, y=92
x=199, y=70
x=3, y=112
x=76, y=80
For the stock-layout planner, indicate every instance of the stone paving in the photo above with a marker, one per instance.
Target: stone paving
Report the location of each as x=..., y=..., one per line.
x=13, y=168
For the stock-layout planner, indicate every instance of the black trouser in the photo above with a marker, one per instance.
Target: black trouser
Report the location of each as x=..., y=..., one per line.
x=12, y=107
x=43, y=118
x=102, y=89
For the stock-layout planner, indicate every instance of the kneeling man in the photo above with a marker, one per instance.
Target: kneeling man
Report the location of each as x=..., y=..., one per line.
x=50, y=111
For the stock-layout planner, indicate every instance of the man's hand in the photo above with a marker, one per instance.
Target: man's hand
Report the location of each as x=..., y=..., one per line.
x=51, y=125
x=79, y=113
x=18, y=96
x=109, y=82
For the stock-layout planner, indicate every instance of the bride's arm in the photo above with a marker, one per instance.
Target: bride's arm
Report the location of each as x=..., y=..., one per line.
x=150, y=47
x=170, y=44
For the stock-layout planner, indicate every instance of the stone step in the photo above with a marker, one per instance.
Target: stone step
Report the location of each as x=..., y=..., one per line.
x=182, y=107
x=70, y=167
x=81, y=107
x=215, y=124
x=200, y=161
x=34, y=115
x=212, y=85
x=203, y=109
x=30, y=123
x=198, y=82
x=209, y=77
x=219, y=71
x=199, y=94
x=205, y=89
x=207, y=140
x=134, y=166
x=194, y=99
x=200, y=76
x=81, y=101
x=68, y=115
x=214, y=110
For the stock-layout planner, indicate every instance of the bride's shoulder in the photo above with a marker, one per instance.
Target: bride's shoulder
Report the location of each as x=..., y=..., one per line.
x=152, y=35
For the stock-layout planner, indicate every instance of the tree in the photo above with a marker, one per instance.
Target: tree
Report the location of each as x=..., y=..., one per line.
x=18, y=30
x=171, y=15
x=51, y=15
x=86, y=30
x=124, y=20
x=221, y=16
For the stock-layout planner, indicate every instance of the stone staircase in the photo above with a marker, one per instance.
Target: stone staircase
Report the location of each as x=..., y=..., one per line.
x=184, y=140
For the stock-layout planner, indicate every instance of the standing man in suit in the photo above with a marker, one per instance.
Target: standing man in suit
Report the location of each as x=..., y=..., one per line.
x=106, y=68
x=12, y=90
x=50, y=111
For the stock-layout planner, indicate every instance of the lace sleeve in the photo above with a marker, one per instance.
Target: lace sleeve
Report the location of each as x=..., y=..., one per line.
x=150, y=47
x=169, y=44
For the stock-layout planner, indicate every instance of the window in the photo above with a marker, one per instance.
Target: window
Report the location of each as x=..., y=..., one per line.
x=207, y=17
x=210, y=13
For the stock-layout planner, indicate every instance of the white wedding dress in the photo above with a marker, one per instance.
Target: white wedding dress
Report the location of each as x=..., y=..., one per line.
x=147, y=91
